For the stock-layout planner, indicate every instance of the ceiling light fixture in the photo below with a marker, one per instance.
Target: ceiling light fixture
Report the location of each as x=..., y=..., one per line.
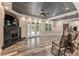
x=44, y=13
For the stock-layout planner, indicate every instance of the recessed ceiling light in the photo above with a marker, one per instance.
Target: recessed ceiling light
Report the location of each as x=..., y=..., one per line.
x=67, y=8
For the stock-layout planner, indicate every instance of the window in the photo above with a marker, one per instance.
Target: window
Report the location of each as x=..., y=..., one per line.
x=48, y=27
x=29, y=29
x=37, y=28
x=32, y=28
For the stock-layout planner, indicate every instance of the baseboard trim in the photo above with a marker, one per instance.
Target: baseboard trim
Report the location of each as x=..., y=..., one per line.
x=23, y=38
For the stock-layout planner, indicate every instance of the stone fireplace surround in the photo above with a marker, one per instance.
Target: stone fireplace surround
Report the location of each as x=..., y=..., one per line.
x=22, y=23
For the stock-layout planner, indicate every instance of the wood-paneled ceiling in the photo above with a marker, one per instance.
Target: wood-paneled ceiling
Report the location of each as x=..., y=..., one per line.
x=34, y=8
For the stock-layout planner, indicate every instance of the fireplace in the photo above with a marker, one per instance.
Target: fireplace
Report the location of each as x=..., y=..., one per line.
x=12, y=31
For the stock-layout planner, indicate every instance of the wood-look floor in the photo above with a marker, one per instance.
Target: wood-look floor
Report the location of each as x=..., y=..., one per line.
x=32, y=47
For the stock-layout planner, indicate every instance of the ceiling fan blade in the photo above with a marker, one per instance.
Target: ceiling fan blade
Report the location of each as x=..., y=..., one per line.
x=44, y=13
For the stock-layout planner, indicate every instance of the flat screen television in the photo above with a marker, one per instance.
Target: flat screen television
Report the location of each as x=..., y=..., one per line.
x=9, y=18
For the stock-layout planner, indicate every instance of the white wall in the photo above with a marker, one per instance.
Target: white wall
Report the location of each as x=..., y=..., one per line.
x=1, y=25
x=58, y=27
x=7, y=4
x=23, y=25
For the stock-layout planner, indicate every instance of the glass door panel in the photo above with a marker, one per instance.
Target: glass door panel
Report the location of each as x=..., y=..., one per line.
x=32, y=28
x=37, y=28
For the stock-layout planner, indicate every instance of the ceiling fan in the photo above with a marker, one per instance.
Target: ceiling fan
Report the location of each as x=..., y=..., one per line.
x=44, y=13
